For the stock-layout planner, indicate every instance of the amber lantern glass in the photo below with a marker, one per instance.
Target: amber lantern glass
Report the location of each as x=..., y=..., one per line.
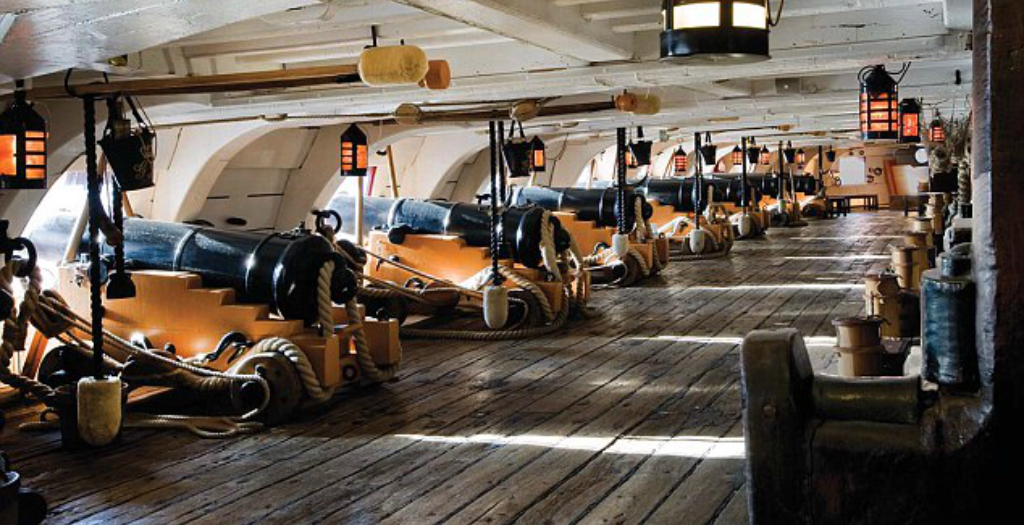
x=23, y=148
x=354, y=152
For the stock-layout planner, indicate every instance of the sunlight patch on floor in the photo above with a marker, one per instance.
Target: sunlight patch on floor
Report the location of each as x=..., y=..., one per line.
x=865, y=257
x=781, y=286
x=815, y=341
x=847, y=238
x=678, y=446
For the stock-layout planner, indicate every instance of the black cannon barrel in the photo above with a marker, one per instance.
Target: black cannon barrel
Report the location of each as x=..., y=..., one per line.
x=598, y=205
x=679, y=193
x=470, y=222
x=278, y=269
x=769, y=184
x=806, y=184
x=766, y=184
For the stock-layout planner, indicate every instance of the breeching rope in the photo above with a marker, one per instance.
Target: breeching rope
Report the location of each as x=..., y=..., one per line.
x=371, y=371
x=644, y=232
x=49, y=314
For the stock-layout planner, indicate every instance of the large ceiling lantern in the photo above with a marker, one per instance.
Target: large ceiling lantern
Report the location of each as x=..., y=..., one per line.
x=879, y=104
x=724, y=31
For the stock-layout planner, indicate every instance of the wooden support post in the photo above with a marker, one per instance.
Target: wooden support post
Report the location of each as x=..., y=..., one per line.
x=359, y=211
x=998, y=139
x=392, y=174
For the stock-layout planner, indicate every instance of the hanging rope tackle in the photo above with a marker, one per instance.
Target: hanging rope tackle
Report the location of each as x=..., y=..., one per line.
x=496, y=295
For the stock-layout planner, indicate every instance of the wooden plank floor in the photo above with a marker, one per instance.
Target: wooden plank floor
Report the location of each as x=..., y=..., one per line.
x=632, y=416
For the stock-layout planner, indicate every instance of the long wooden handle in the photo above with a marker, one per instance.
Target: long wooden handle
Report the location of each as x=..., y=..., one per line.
x=287, y=78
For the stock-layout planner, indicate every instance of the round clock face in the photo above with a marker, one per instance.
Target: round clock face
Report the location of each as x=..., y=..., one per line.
x=921, y=155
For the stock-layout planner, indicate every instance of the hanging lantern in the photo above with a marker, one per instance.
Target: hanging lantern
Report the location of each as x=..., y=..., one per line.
x=879, y=106
x=723, y=31
x=130, y=152
x=538, y=155
x=708, y=151
x=737, y=156
x=639, y=153
x=830, y=154
x=22, y=146
x=354, y=152
x=766, y=156
x=680, y=160
x=910, y=121
x=790, y=153
x=937, y=129
x=753, y=152
x=630, y=160
x=518, y=154
x=801, y=157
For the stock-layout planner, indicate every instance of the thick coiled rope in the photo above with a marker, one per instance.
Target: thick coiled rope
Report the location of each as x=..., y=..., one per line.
x=55, y=316
x=548, y=251
x=371, y=372
x=16, y=331
x=316, y=392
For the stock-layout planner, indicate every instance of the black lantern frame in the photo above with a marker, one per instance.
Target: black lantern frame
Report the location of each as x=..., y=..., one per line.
x=910, y=121
x=753, y=152
x=538, y=155
x=766, y=156
x=879, y=104
x=937, y=129
x=737, y=156
x=23, y=146
x=719, y=31
x=355, y=158
x=680, y=160
x=790, y=153
x=708, y=151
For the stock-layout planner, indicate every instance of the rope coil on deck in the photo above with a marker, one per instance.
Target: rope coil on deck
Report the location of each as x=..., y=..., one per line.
x=49, y=314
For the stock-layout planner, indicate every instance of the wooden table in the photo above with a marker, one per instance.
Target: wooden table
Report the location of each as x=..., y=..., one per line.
x=836, y=206
x=870, y=200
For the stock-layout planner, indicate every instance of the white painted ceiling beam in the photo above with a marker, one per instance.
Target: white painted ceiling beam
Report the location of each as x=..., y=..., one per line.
x=49, y=36
x=537, y=22
x=802, y=8
x=595, y=79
